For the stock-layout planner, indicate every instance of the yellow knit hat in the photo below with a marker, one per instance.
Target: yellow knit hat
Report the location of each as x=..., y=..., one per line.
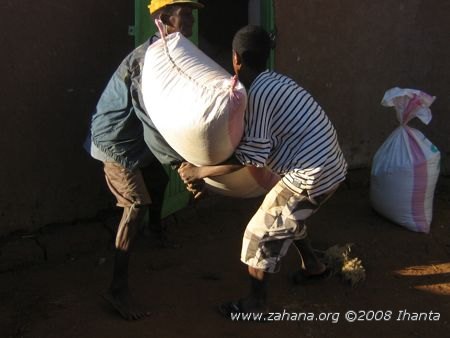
x=158, y=4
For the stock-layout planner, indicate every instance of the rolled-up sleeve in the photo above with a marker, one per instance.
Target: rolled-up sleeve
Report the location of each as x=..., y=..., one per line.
x=253, y=151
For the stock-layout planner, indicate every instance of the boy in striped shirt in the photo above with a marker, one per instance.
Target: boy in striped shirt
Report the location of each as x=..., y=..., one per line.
x=288, y=132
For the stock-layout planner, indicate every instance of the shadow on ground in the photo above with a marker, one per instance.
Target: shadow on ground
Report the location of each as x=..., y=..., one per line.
x=51, y=281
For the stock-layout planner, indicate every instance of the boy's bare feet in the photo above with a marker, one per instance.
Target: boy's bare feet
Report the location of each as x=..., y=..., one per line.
x=250, y=309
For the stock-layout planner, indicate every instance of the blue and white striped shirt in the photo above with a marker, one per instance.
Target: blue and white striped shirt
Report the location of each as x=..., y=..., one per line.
x=287, y=131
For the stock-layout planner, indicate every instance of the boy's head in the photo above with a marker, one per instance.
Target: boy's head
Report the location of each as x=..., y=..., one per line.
x=175, y=14
x=251, y=48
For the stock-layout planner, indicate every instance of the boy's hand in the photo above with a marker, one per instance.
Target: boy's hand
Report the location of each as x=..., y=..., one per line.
x=189, y=173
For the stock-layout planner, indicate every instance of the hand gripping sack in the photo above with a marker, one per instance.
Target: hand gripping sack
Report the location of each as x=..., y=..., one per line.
x=405, y=168
x=195, y=104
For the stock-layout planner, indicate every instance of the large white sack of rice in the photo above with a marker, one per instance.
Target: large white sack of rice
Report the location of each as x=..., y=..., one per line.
x=196, y=105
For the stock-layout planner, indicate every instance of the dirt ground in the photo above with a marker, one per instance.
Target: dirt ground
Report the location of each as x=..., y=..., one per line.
x=51, y=281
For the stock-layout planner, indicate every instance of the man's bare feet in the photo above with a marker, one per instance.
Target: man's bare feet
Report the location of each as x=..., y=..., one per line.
x=123, y=303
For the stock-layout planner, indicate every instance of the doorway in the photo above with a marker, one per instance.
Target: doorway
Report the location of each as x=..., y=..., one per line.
x=218, y=21
x=216, y=25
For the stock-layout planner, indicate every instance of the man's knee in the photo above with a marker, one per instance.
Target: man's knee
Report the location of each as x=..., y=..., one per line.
x=132, y=219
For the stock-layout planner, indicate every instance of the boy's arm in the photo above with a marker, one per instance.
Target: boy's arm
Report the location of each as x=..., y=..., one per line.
x=190, y=173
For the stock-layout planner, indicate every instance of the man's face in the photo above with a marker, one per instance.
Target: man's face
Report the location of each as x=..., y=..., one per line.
x=182, y=20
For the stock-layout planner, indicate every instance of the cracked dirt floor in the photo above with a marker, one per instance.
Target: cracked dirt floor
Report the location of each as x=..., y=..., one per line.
x=51, y=281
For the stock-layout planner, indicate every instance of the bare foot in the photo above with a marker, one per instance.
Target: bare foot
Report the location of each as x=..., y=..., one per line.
x=123, y=303
x=251, y=304
x=233, y=310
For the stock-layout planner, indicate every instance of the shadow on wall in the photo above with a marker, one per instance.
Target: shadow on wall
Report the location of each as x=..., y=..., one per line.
x=56, y=66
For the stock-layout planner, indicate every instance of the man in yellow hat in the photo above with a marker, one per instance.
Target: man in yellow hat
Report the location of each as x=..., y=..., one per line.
x=125, y=139
x=175, y=14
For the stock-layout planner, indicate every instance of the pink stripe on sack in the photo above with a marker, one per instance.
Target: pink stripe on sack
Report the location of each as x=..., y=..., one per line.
x=420, y=178
x=161, y=28
x=413, y=104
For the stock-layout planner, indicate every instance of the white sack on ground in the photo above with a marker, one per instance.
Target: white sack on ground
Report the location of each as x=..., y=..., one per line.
x=405, y=168
x=195, y=104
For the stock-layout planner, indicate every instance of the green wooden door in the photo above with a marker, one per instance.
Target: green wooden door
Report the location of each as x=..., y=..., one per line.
x=268, y=23
x=143, y=25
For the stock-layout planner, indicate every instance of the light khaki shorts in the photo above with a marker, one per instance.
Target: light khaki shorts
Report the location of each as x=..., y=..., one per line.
x=279, y=221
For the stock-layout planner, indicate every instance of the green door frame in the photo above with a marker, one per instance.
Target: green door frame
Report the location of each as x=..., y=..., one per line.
x=268, y=23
